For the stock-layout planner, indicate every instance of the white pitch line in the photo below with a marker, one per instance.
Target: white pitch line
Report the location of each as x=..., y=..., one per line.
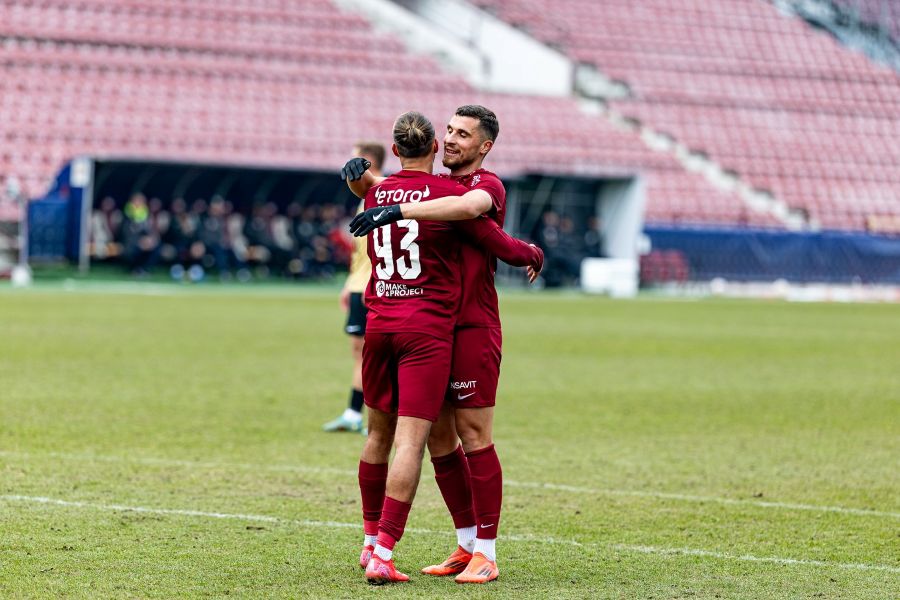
x=701, y=499
x=641, y=549
x=656, y=550
x=864, y=512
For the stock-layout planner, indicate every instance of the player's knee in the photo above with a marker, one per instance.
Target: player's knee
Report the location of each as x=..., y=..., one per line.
x=379, y=442
x=376, y=453
x=471, y=443
x=442, y=442
x=474, y=436
x=475, y=428
x=410, y=446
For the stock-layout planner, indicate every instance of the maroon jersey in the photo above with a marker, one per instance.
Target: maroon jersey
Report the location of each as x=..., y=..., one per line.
x=479, y=298
x=416, y=280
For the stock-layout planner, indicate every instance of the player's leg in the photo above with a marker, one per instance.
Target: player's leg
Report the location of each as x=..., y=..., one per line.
x=379, y=380
x=351, y=418
x=451, y=471
x=373, y=472
x=423, y=368
x=476, y=431
x=402, y=481
x=475, y=425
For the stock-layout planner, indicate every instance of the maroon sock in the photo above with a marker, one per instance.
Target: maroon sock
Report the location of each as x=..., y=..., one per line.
x=393, y=522
x=455, y=482
x=487, y=490
x=372, y=481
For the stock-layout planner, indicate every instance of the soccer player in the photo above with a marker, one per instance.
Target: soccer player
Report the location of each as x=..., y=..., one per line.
x=413, y=298
x=469, y=477
x=351, y=300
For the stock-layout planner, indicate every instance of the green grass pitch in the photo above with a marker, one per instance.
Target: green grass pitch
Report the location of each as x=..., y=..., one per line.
x=162, y=442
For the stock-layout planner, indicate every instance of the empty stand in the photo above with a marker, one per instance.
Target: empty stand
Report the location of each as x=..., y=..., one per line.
x=762, y=93
x=286, y=83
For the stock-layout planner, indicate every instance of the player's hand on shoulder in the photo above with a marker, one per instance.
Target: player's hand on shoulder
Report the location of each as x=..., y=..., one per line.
x=373, y=218
x=355, y=168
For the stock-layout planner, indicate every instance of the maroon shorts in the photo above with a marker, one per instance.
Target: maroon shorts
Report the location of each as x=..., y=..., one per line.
x=406, y=373
x=476, y=367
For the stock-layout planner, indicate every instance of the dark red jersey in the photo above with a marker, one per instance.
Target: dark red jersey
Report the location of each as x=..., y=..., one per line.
x=479, y=300
x=416, y=281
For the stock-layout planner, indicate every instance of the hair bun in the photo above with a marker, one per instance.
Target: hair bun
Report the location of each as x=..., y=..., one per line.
x=413, y=134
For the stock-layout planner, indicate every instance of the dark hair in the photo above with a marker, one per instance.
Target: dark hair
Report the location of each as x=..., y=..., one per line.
x=487, y=120
x=413, y=134
x=374, y=150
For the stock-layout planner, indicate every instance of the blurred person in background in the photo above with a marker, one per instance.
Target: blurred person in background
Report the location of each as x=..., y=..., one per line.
x=351, y=302
x=342, y=243
x=160, y=220
x=238, y=247
x=196, y=249
x=213, y=234
x=548, y=236
x=281, y=243
x=256, y=230
x=296, y=266
x=571, y=249
x=593, y=238
x=303, y=230
x=177, y=239
x=140, y=241
x=106, y=230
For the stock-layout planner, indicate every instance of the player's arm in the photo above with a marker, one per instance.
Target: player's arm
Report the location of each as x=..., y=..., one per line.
x=472, y=204
x=361, y=186
x=469, y=205
x=486, y=234
x=359, y=179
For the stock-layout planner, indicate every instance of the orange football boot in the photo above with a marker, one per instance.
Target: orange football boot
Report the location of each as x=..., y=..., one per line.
x=455, y=563
x=366, y=556
x=480, y=570
x=379, y=572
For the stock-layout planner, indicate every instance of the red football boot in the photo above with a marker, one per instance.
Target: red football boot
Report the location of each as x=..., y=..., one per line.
x=379, y=572
x=480, y=570
x=455, y=563
x=366, y=556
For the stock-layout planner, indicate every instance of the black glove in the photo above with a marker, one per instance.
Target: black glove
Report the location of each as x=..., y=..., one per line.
x=354, y=168
x=374, y=218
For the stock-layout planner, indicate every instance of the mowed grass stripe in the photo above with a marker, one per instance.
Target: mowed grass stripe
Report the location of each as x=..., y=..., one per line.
x=642, y=549
x=558, y=487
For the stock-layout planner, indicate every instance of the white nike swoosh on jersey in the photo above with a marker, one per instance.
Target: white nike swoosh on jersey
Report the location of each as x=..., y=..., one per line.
x=461, y=397
x=426, y=193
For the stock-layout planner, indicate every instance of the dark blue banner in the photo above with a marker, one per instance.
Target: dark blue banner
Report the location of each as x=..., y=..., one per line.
x=762, y=255
x=48, y=229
